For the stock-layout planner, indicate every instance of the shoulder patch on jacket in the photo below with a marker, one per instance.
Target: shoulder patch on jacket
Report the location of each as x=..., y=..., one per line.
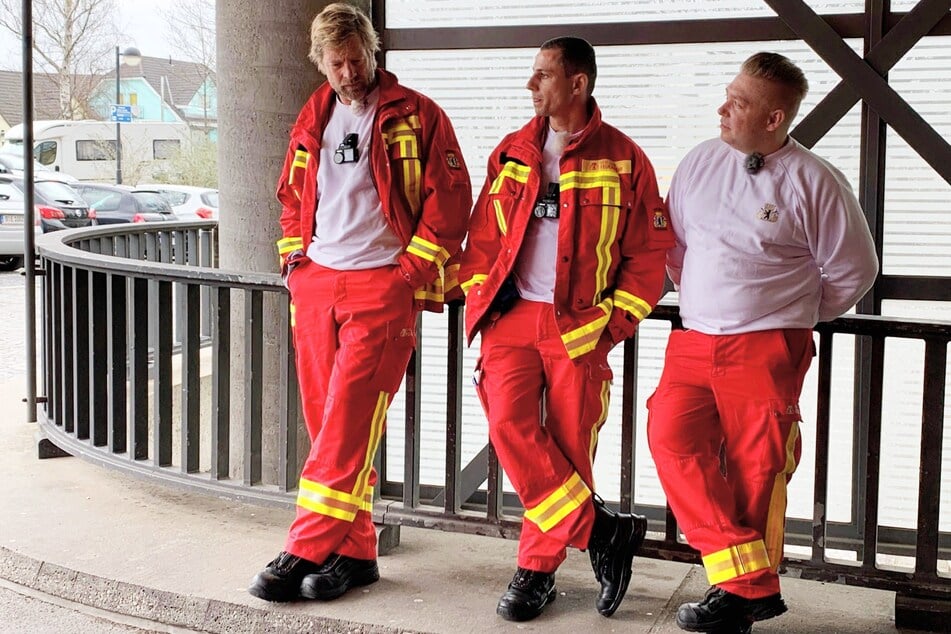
x=452, y=160
x=660, y=222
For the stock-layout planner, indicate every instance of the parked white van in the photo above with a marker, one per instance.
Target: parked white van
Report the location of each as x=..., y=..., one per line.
x=87, y=149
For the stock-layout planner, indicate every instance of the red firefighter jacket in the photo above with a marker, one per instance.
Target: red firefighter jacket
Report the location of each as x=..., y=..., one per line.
x=613, y=232
x=418, y=171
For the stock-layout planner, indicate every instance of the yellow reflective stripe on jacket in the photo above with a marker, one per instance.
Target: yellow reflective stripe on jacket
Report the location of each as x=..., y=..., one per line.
x=301, y=159
x=427, y=250
x=735, y=561
x=500, y=217
x=400, y=135
x=450, y=277
x=518, y=173
x=286, y=245
x=317, y=498
x=610, y=218
x=632, y=304
x=561, y=503
x=584, y=338
x=478, y=278
x=608, y=181
x=432, y=292
x=606, y=178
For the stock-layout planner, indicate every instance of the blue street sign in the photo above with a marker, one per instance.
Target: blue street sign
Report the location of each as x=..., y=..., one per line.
x=121, y=113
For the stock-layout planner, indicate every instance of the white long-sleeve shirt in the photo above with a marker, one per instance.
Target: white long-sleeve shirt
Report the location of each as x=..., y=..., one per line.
x=785, y=247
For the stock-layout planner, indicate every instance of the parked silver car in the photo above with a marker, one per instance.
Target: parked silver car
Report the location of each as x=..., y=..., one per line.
x=187, y=201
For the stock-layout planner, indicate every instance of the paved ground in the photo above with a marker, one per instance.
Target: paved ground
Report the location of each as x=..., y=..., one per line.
x=28, y=612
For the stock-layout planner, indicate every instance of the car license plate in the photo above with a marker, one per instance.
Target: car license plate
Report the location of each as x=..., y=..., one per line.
x=11, y=220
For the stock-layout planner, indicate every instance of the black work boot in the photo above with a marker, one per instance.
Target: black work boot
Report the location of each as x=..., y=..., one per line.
x=615, y=538
x=722, y=611
x=337, y=575
x=527, y=595
x=281, y=579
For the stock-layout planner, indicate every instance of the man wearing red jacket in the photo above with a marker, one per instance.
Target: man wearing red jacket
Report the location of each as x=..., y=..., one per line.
x=565, y=257
x=375, y=200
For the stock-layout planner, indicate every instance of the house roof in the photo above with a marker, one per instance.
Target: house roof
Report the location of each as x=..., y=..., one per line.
x=181, y=79
x=45, y=97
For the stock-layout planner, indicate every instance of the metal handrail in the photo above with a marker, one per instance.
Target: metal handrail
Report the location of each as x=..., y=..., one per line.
x=129, y=422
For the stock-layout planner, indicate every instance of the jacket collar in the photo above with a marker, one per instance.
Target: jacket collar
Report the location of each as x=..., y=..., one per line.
x=529, y=140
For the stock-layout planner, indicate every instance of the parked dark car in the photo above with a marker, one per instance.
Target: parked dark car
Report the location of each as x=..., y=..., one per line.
x=116, y=203
x=58, y=206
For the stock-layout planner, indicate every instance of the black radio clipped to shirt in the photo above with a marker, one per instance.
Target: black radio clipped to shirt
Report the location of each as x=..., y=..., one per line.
x=347, y=151
x=547, y=206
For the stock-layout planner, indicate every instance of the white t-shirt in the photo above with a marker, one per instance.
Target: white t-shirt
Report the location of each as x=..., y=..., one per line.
x=535, y=266
x=350, y=231
x=782, y=248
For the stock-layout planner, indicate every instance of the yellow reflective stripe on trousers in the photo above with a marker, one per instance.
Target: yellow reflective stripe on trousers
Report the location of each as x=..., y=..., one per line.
x=735, y=561
x=321, y=499
x=557, y=506
x=429, y=251
x=584, y=338
x=317, y=498
x=478, y=278
x=377, y=424
x=603, y=416
x=292, y=243
x=368, y=500
x=776, y=518
x=632, y=304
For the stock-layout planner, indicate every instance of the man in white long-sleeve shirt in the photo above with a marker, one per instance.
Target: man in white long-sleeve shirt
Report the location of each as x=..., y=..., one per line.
x=769, y=240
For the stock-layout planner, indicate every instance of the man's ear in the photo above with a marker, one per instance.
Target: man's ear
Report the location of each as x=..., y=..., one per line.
x=579, y=84
x=776, y=119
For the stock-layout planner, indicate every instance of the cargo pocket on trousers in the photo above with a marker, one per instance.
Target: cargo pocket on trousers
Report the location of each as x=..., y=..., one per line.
x=782, y=446
x=393, y=358
x=478, y=382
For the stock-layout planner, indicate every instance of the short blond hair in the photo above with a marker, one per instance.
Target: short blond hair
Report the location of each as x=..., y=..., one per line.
x=335, y=25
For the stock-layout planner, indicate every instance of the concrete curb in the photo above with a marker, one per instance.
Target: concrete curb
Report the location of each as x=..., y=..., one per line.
x=168, y=608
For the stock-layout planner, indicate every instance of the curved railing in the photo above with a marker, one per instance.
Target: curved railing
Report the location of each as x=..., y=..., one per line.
x=158, y=363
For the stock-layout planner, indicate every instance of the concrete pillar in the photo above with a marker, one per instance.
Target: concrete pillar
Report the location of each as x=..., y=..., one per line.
x=264, y=77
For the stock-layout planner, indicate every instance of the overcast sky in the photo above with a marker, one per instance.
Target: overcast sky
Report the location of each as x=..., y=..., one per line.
x=141, y=23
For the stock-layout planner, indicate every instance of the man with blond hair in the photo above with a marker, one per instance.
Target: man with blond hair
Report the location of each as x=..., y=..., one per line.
x=375, y=198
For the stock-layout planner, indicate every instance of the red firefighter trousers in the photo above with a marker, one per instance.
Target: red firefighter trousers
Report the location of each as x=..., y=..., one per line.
x=724, y=434
x=354, y=332
x=524, y=368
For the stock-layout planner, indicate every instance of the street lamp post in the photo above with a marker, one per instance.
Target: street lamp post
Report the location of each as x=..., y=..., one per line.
x=132, y=58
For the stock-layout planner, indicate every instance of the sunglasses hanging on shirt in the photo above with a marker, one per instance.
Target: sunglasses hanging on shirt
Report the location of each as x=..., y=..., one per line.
x=347, y=151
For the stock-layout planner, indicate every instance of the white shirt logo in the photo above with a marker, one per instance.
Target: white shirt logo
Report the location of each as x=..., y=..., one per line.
x=769, y=213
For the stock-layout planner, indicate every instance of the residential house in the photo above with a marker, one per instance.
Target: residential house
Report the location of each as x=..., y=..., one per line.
x=164, y=89
x=159, y=89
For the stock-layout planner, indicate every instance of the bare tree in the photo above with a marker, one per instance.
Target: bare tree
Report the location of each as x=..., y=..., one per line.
x=191, y=31
x=72, y=40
